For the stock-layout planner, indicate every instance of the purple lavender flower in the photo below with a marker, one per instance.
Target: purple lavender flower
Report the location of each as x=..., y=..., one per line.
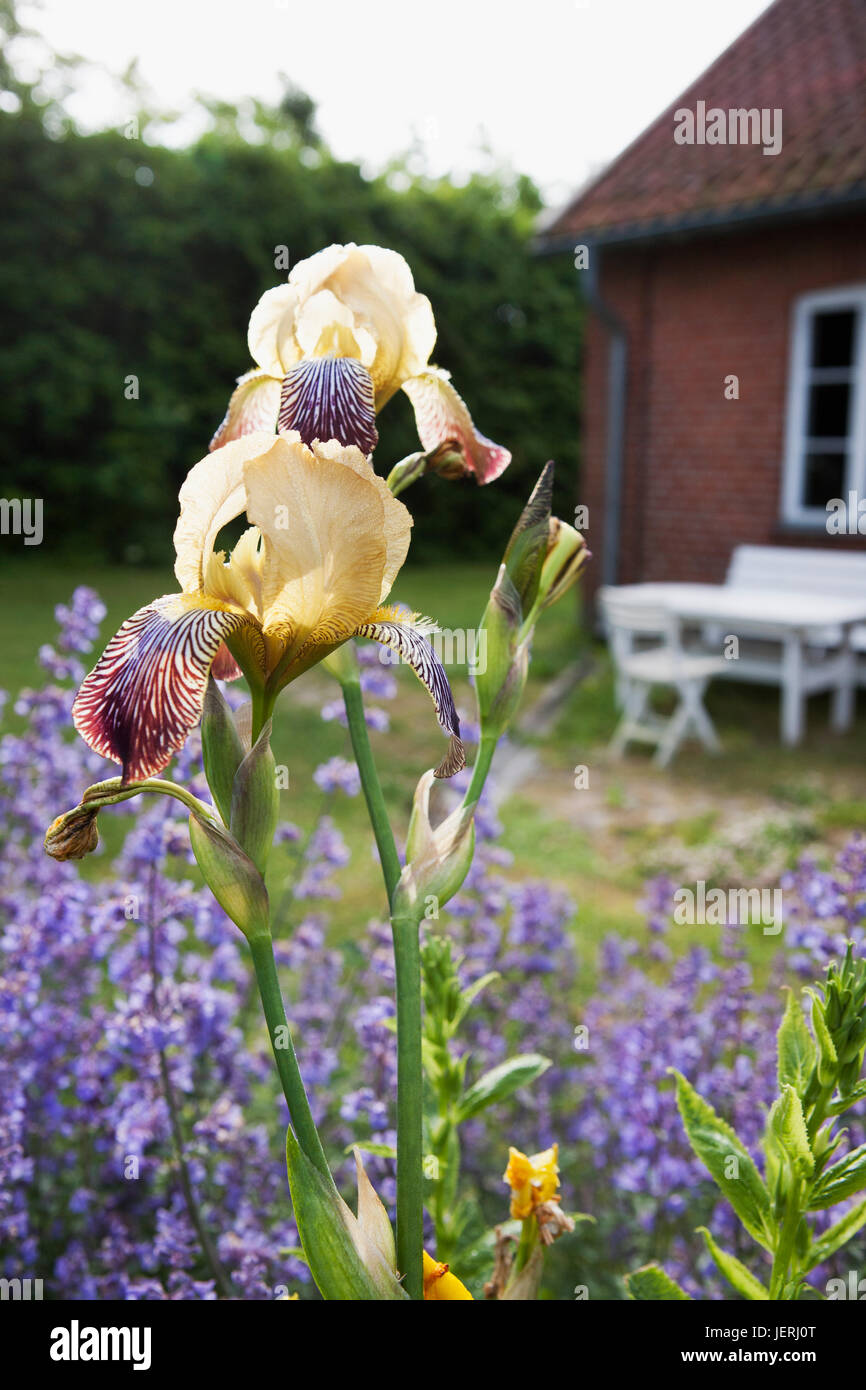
x=338, y=775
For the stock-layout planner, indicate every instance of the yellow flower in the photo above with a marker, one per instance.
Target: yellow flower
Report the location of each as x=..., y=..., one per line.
x=326, y=542
x=440, y=1285
x=533, y=1180
x=335, y=343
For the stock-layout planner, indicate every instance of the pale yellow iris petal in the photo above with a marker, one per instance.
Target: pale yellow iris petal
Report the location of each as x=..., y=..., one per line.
x=247, y=561
x=378, y=310
x=213, y=495
x=324, y=543
x=325, y=325
x=238, y=581
x=397, y=517
x=377, y=284
x=270, y=335
x=221, y=582
x=357, y=301
x=418, y=324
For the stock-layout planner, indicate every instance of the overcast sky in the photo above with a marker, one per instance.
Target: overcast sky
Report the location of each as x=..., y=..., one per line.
x=555, y=87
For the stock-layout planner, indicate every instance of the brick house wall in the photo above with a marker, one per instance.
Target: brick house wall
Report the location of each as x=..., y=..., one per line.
x=703, y=474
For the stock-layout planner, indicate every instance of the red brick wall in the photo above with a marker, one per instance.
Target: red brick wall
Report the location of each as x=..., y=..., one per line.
x=702, y=474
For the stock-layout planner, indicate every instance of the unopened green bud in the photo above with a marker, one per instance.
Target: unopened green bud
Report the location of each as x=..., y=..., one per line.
x=406, y=472
x=231, y=876
x=566, y=556
x=849, y=1075
x=437, y=861
x=826, y=1142
x=255, y=803
x=833, y=1009
x=222, y=748
x=828, y=1060
x=854, y=1042
x=499, y=687
x=542, y=560
x=351, y=1260
x=528, y=545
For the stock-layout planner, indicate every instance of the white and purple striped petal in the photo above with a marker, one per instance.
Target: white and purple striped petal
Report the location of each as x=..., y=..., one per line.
x=411, y=644
x=146, y=691
x=328, y=398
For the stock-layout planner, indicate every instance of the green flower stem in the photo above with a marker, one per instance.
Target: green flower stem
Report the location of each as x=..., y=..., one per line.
x=410, y=1083
x=486, y=749
x=405, y=931
x=787, y=1237
x=112, y=792
x=262, y=949
x=526, y=1245
x=354, y=702
x=407, y=963
x=263, y=702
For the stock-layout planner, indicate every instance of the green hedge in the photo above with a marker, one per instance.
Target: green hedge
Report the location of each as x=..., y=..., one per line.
x=121, y=259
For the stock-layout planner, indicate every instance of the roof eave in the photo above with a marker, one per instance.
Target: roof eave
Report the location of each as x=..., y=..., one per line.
x=693, y=224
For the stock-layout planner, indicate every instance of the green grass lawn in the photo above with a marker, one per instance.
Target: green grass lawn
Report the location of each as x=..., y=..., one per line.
x=454, y=594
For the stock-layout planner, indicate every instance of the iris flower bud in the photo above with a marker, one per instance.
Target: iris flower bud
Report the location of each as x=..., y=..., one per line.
x=542, y=560
x=437, y=861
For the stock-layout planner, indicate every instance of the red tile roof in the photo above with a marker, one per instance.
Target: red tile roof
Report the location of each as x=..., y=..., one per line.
x=807, y=57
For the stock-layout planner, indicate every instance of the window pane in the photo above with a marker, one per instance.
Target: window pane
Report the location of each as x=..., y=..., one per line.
x=833, y=338
x=823, y=477
x=828, y=411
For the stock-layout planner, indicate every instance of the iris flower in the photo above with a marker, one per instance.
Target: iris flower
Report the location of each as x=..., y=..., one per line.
x=326, y=542
x=334, y=344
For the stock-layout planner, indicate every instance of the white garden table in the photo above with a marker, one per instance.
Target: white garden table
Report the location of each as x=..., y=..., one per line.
x=809, y=636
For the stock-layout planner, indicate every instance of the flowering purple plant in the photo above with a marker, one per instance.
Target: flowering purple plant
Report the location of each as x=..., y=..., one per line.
x=139, y=1134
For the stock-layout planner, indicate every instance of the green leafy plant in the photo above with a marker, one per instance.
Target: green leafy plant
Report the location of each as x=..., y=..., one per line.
x=450, y=1102
x=819, y=1072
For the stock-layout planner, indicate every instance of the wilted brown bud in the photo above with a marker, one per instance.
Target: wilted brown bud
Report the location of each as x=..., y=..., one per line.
x=552, y=1221
x=448, y=459
x=73, y=834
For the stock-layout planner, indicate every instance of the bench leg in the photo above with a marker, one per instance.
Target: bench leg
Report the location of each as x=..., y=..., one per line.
x=792, y=691
x=842, y=711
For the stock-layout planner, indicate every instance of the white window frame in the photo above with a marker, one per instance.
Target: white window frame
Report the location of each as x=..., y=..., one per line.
x=801, y=375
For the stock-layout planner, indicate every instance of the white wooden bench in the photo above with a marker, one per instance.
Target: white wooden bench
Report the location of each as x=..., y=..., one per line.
x=799, y=617
x=833, y=573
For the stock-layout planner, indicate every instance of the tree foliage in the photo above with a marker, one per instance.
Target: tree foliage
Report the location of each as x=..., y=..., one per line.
x=123, y=259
